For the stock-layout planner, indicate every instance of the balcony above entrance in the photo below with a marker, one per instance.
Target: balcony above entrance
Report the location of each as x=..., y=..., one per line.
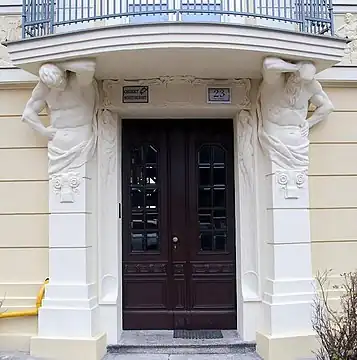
x=149, y=38
x=43, y=17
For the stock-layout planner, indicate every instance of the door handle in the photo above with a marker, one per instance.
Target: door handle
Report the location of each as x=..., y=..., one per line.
x=175, y=241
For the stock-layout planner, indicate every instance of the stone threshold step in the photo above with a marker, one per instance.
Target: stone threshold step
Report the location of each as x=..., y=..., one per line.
x=250, y=356
x=163, y=342
x=237, y=348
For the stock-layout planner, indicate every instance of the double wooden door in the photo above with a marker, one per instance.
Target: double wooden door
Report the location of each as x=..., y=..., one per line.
x=178, y=225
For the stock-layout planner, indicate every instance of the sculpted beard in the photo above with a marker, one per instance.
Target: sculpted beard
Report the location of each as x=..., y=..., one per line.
x=293, y=88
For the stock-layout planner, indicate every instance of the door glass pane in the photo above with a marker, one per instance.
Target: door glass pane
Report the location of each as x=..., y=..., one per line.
x=144, y=199
x=212, y=203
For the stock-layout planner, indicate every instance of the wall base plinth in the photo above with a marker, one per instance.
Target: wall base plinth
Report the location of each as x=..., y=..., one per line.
x=56, y=348
x=15, y=341
x=68, y=322
x=293, y=347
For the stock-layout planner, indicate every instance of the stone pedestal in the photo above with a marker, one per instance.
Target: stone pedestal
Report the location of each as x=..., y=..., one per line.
x=288, y=287
x=69, y=317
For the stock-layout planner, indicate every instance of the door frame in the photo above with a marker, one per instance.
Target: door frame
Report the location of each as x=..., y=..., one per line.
x=110, y=227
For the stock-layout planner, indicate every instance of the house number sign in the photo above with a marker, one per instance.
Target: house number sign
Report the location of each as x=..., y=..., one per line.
x=135, y=94
x=219, y=95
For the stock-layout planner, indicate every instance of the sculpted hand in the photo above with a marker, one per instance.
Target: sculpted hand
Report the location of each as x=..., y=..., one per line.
x=305, y=129
x=50, y=133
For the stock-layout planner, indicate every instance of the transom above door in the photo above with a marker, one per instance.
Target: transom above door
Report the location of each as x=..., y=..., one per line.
x=178, y=225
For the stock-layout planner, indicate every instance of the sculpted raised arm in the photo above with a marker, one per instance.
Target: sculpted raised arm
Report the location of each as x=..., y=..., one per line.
x=34, y=106
x=274, y=67
x=275, y=64
x=323, y=105
x=83, y=68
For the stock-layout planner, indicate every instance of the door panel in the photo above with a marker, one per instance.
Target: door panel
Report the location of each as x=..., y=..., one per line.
x=145, y=244
x=178, y=238
x=211, y=239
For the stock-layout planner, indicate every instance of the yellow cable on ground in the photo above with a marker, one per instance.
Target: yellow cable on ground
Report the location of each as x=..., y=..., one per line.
x=39, y=299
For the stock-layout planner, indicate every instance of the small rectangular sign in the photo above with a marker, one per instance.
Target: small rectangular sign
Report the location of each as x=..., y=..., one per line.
x=135, y=94
x=219, y=95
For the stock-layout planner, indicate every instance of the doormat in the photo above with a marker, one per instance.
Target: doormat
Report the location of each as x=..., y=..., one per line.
x=198, y=334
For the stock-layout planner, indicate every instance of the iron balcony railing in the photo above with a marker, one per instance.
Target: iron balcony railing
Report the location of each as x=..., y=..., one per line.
x=44, y=17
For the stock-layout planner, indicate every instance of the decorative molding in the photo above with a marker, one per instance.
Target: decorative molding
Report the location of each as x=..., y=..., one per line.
x=182, y=79
x=10, y=30
x=163, y=80
x=348, y=31
x=145, y=268
x=213, y=268
x=246, y=84
x=178, y=269
x=246, y=134
x=108, y=136
x=66, y=185
x=196, y=91
x=107, y=90
x=290, y=182
x=107, y=148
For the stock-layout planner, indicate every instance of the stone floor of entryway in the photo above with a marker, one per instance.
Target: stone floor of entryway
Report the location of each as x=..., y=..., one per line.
x=151, y=338
x=161, y=345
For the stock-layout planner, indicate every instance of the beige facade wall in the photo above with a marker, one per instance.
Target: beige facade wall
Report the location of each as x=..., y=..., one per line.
x=24, y=203
x=23, y=217
x=333, y=187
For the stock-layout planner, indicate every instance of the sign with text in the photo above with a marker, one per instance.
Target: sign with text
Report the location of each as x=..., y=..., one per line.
x=219, y=95
x=135, y=94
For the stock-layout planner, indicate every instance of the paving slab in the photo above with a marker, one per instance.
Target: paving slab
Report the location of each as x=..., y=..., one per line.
x=16, y=356
x=250, y=356
x=136, y=357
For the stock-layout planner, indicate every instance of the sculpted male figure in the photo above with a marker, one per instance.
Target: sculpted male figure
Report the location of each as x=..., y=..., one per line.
x=349, y=31
x=69, y=92
x=282, y=108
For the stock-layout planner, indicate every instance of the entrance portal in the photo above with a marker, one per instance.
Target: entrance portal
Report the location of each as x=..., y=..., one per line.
x=178, y=225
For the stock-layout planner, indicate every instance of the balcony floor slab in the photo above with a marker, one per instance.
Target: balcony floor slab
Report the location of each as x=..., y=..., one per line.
x=197, y=49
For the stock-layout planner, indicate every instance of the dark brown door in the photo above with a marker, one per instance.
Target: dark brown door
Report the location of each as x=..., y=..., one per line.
x=178, y=225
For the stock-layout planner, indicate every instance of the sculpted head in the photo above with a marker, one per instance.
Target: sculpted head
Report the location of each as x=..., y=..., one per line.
x=244, y=117
x=348, y=18
x=307, y=70
x=53, y=76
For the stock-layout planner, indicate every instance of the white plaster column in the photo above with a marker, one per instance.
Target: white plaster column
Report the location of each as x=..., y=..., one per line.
x=283, y=128
x=288, y=284
x=285, y=330
x=70, y=307
x=69, y=319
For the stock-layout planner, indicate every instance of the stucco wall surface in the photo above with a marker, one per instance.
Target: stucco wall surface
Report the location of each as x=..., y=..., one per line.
x=23, y=217
x=333, y=183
